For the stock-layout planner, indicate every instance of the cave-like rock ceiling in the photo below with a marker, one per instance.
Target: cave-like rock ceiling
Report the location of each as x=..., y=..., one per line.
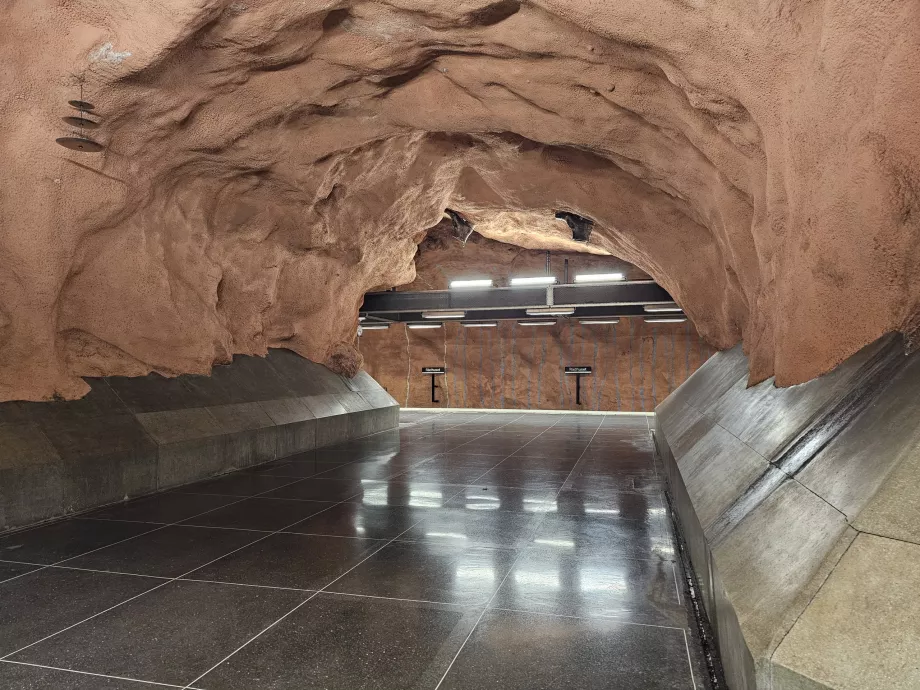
x=266, y=162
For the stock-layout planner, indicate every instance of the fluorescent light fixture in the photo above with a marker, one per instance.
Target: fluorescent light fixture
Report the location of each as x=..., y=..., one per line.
x=374, y=326
x=361, y=318
x=418, y=326
x=667, y=319
x=599, y=277
x=536, y=323
x=443, y=314
x=598, y=322
x=661, y=308
x=551, y=311
x=480, y=324
x=477, y=283
x=533, y=280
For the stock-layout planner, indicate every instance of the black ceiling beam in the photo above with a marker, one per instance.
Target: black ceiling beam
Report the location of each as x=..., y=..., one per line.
x=610, y=294
x=522, y=315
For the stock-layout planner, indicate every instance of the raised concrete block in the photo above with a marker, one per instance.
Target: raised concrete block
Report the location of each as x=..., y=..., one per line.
x=860, y=632
x=133, y=436
x=778, y=493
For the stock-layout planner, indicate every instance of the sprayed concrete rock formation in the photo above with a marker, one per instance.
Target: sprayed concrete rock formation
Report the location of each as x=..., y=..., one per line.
x=266, y=162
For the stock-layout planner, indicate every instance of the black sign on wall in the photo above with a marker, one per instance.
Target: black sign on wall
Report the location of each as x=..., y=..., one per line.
x=578, y=372
x=434, y=370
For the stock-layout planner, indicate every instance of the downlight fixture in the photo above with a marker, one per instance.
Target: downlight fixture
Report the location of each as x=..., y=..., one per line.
x=533, y=280
x=536, y=323
x=551, y=311
x=662, y=308
x=598, y=322
x=599, y=277
x=474, y=283
x=480, y=324
x=666, y=319
x=419, y=326
x=443, y=314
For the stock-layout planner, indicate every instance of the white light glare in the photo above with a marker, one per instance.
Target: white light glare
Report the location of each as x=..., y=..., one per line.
x=536, y=323
x=374, y=326
x=661, y=308
x=481, y=324
x=680, y=319
x=533, y=280
x=551, y=311
x=419, y=326
x=477, y=283
x=443, y=314
x=599, y=277
x=598, y=322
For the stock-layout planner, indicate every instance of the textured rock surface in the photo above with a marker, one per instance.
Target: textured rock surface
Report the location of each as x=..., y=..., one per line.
x=267, y=162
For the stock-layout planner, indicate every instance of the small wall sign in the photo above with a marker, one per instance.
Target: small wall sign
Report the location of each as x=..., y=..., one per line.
x=434, y=370
x=579, y=371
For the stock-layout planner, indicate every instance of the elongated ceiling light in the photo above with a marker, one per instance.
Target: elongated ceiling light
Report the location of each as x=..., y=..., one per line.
x=443, y=314
x=424, y=325
x=480, y=324
x=666, y=319
x=599, y=277
x=374, y=326
x=662, y=308
x=536, y=323
x=476, y=283
x=598, y=322
x=533, y=280
x=551, y=311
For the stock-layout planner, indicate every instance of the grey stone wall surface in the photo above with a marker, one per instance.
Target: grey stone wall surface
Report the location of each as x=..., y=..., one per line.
x=800, y=509
x=133, y=436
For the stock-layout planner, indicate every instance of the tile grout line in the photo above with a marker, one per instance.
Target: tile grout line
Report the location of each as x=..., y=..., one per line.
x=513, y=564
x=312, y=596
x=689, y=659
x=96, y=675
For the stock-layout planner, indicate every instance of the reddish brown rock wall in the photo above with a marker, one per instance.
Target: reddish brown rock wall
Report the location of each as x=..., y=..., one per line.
x=268, y=162
x=635, y=365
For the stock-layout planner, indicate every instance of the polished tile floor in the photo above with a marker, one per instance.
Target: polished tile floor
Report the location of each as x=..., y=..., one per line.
x=464, y=551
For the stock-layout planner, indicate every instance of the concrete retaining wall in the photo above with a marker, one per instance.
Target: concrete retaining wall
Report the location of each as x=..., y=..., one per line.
x=133, y=436
x=801, y=512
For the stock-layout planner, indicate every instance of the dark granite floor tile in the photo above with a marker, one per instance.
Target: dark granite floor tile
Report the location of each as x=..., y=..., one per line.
x=359, y=520
x=558, y=580
x=617, y=504
x=486, y=462
x=349, y=643
x=540, y=464
x=289, y=560
x=524, y=651
x=60, y=540
x=362, y=470
x=445, y=474
x=171, y=635
x=486, y=498
x=448, y=573
x=288, y=468
x=18, y=676
x=163, y=508
x=472, y=527
x=601, y=485
x=402, y=492
x=47, y=601
x=237, y=484
x=320, y=490
x=550, y=449
x=614, y=536
x=267, y=514
x=10, y=570
x=522, y=479
x=168, y=552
